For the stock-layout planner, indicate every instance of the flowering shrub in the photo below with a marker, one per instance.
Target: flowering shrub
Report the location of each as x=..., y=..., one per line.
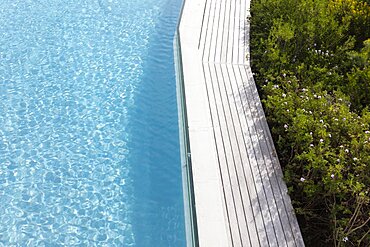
x=326, y=151
x=314, y=79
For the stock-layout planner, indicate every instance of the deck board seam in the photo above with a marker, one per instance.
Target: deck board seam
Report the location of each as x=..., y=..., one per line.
x=239, y=148
x=201, y=28
x=259, y=167
x=249, y=163
x=224, y=149
x=229, y=141
x=274, y=160
x=254, y=177
x=264, y=166
x=218, y=156
x=229, y=160
x=237, y=145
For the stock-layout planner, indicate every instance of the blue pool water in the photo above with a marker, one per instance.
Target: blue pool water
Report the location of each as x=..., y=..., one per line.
x=89, y=152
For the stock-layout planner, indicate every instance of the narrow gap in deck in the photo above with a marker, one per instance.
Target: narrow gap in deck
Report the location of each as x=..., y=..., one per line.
x=217, y=35
x=229, y=151
x=271, y=182
x=242, y=155
x=218, y=157
x=230, y=33
x=232, y=212
x=261, y=229
x=266, y=212
x=234, y=141
x=201, y=28
x=276, y=170
x=246, y=163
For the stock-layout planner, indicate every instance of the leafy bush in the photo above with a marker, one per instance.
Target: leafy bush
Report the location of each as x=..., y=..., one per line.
x=312, y=64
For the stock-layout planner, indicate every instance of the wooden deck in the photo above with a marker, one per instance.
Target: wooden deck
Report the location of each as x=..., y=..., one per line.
x=240, y=197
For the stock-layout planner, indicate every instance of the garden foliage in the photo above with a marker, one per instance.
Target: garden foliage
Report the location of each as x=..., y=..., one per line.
x=312, y=65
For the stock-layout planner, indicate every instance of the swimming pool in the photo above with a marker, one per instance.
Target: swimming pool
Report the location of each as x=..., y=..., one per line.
x=89, y=152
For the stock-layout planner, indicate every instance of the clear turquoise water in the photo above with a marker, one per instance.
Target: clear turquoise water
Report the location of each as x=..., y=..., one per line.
x=89, y=152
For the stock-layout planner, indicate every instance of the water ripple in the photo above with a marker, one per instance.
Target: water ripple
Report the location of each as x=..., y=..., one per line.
x=68, y=77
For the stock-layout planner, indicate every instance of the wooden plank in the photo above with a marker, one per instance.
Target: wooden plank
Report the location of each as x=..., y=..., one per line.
x=207, y=18
x=230, y=43
x=235, y=138
x=259, y=199
x=249, y=192
x=243, y=15
x=230, y=206
x=225, y=31
x=290, y=224
x=212, y=46
x=273, y=217
x=229, y=163
x=256, y=208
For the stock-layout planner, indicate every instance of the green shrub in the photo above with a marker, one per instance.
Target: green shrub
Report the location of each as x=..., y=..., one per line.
x=313, y=71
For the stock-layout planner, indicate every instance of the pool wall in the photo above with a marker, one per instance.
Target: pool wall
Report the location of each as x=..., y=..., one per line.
x=187, y=176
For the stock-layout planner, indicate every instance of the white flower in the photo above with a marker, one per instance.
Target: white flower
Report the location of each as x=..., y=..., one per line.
x=310, y=133
x=319, y=96
x=355, y=159
x=315, y=95
x=286, y=126
x=310, y=112
x=302, y=179
x=287, y=110
x=346, y=150
x=338, y=160
x=329, y=135
x=266, y=80
x=335, y=119
x=367, y=132
x=332, y=175
x=311, y=145
x=284, y=95
x=284, y=74
x=344, y=119
x=304, y=90
x=321, y=140
x=345, y=239
x=321, y=121
x=276, y=86
x=340, y=99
